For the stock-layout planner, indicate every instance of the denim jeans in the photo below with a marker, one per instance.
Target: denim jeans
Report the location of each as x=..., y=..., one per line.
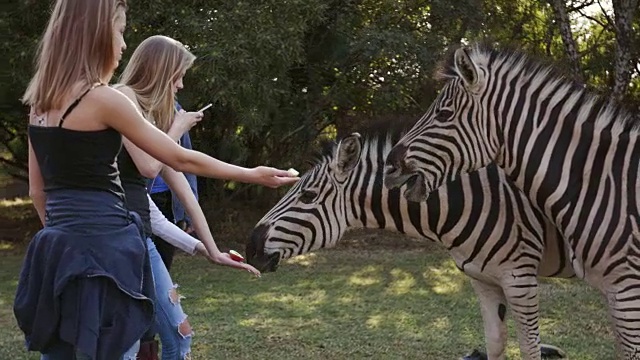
x=86, y=284
x=66, y=352
x=171, y=322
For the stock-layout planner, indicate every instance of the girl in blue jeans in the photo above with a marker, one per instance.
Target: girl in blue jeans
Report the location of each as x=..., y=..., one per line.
x=85, y=289
x=150, y=80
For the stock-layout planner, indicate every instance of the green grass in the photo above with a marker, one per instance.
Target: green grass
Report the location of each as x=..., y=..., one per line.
x=348, y=303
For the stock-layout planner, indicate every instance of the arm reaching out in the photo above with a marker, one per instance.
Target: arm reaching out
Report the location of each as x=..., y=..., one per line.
x=120, y=113
x=148, y=166
x=180, y=186
x=172, y=234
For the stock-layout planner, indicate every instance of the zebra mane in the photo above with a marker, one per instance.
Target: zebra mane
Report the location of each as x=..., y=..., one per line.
x=385, y=129
x=614, y=114
x=485, y=52
x=325, y=151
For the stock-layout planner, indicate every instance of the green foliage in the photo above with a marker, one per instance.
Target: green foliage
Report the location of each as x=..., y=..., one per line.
x=24, y=22
x=280, y=72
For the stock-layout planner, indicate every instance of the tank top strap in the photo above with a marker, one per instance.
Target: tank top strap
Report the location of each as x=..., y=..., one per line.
x=76, y=102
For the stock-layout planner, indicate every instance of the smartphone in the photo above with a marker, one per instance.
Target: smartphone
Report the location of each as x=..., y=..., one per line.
x=205, y=108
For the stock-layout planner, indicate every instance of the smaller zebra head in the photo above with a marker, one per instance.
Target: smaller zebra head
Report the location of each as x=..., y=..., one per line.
x=311, y=215
x=453, y=137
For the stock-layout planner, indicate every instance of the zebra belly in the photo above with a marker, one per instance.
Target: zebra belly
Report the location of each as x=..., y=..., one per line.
x=608, y=263
x=501, y=229
x=555, y=262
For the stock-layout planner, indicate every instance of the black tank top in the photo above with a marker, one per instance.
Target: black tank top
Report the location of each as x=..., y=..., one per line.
x=135, y=189
x=72, y=159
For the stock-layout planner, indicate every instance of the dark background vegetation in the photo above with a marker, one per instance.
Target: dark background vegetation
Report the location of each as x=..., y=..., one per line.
x=284, y=74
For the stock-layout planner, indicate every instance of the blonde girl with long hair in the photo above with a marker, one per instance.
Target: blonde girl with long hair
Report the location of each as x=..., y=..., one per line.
x=151, y=79
x=85, y=289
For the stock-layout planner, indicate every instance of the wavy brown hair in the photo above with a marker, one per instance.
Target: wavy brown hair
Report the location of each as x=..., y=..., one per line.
x=156, y=64
x=77, y=46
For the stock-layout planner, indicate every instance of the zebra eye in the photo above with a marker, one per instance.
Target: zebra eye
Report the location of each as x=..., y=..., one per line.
x=307, y=196
x=444, y=115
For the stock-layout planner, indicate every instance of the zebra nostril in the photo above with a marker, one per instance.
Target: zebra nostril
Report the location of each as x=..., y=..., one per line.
x=396, y=157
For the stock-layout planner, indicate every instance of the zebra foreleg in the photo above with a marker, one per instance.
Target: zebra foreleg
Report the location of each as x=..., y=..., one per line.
x=623, y=297
x=626, y=323
x=521, y=293
x=493, y=306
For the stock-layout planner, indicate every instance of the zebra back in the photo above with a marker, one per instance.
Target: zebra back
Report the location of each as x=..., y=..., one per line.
x=481, y=218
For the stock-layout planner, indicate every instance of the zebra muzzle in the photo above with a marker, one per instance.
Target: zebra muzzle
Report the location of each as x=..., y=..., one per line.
x=255, y=253
x=396, y=171
x=266, y=263
x=416, y=184
x=416, y=190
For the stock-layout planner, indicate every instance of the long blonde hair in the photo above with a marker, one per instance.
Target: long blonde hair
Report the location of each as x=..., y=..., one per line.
x=156, y=64
x=77, y=46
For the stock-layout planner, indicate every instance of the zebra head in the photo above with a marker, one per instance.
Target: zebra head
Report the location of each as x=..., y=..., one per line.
x=453, y=137
x=311, y=215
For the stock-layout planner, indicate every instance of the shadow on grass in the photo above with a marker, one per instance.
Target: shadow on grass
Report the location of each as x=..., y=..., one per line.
x=349, y=304
x=343, y=304
x=355, y=304
x=11, y=338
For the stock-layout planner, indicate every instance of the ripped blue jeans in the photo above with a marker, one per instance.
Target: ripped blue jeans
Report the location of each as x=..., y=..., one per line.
x=171, y=322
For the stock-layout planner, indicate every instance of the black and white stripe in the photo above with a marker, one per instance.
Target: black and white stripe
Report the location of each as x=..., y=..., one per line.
x=488, y=226
x=574, y=155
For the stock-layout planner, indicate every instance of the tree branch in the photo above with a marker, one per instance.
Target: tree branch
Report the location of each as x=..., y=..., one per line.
x=581, y=6
x=606, y=26
x=13, y=163
x=624, y=11
x=21, y=169
x=606, y=16
x=564, y=25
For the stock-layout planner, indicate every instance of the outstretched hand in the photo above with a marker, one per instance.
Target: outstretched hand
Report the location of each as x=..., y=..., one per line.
x=225, y=259
x=273, y=177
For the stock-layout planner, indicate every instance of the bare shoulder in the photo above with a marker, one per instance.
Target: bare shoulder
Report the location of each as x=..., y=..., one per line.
x=129, y=93
x=107, y=97
x=106, y=94
x=126, y=90
x=112, y=106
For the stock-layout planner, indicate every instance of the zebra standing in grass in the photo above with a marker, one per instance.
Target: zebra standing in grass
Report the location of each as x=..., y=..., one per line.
x=575, y=156
x=488, y=226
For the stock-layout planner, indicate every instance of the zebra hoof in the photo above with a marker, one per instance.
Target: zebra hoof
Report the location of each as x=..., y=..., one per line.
x=547, y=352
x=552, y=352
x=476, y=355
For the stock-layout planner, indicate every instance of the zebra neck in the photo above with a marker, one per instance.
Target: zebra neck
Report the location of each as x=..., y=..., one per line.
x=565, y=154
x=371, y=205
x=379, y=208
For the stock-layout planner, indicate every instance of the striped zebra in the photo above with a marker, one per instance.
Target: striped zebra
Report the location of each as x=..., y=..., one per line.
x=575, y=156
x=486, y=224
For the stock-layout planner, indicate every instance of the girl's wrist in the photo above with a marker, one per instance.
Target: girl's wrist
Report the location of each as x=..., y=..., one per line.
x=251, y=175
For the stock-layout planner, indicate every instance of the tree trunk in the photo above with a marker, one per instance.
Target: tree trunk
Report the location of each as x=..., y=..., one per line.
x=624, y=12
x=564, y=25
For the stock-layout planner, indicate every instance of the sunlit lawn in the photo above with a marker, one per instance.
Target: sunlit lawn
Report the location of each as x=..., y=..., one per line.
x=375, y=296
x=348, y=303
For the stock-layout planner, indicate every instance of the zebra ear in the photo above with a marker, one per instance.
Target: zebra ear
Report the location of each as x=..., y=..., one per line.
x=348, y=153
x=465, y=67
